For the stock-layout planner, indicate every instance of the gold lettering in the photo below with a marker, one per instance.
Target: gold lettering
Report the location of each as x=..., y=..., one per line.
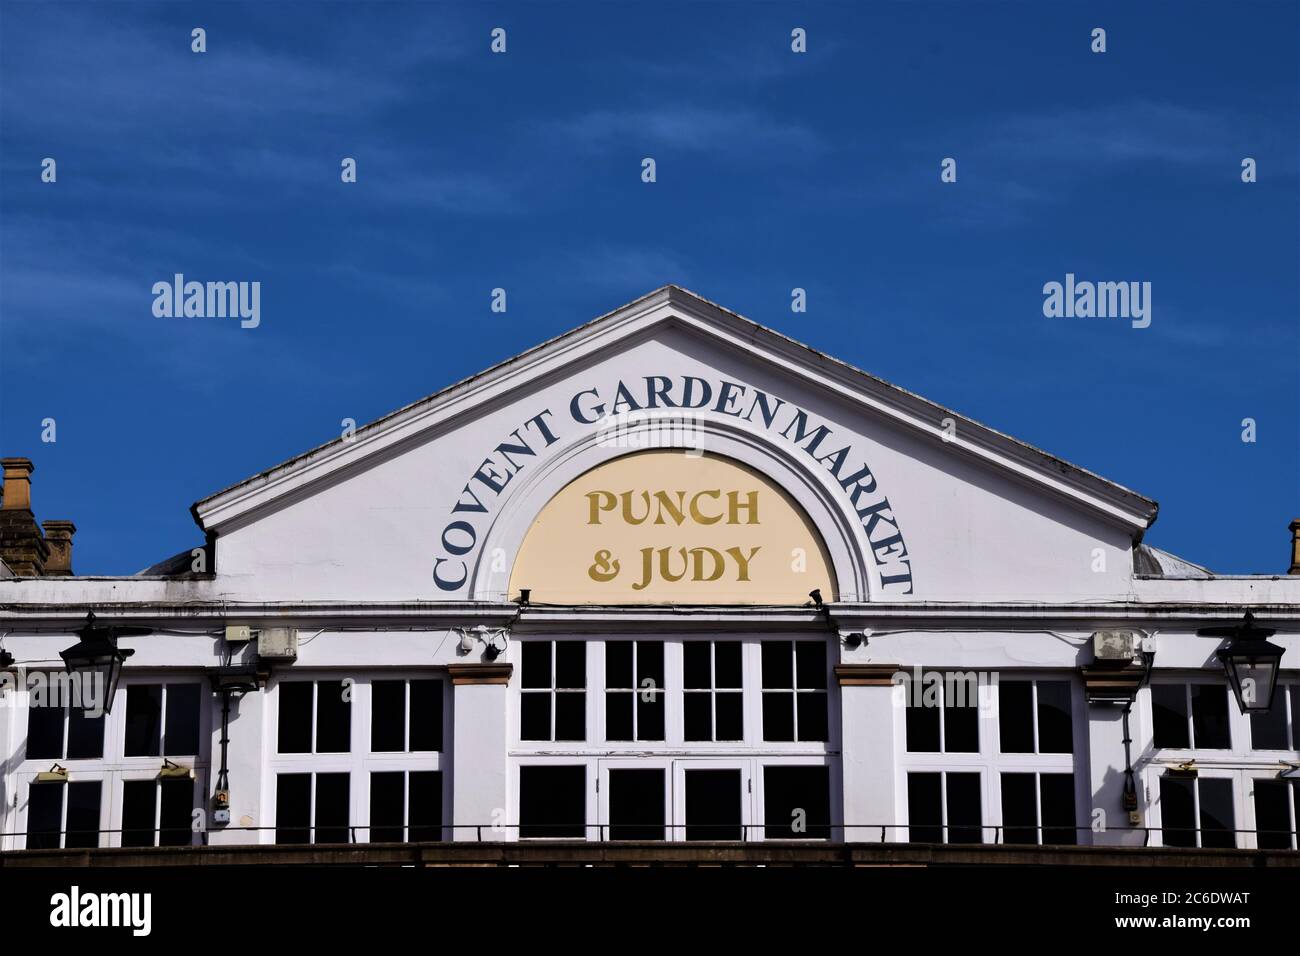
x=735, y=507
x=741, y=560
x=695, y=508
x=719, y=564
x=674, y=510
x=627, y=508
x=664, y=571
x=604, y=569
x=594, y=497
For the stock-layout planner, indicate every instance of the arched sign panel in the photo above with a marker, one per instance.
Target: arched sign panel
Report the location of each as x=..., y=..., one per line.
x=672, y=527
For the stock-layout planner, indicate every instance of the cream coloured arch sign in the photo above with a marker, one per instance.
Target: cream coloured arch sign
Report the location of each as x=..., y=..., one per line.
x=672, y=527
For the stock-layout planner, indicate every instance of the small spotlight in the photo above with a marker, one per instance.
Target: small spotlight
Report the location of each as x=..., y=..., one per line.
x=525, y=595
x=816, y=595
x=6, y=659
x=495, y=646
x=853, y=641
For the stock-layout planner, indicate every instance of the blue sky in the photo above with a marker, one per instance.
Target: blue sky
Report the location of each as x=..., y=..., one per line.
x=522, y=171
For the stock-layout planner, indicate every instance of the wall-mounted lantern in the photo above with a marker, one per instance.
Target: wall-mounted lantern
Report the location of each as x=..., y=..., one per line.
x=1250, y=662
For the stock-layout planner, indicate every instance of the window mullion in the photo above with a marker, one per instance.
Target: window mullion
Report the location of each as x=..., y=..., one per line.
x=1033, y=714
x=1038, y=807
x=162, y=724
x=943, y=803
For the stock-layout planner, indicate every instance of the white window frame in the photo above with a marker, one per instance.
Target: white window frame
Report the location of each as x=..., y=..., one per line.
x=1242, y=762
x=554, y=690
x=989, y=760
x=112, y=767
x=360, y=761
x=598, y=754
x=636, y=690
x=986, y=831
x=674, y=742
x=795, y=690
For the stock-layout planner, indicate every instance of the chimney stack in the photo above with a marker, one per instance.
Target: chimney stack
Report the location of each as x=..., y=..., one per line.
x=18, y=484
x=1295, y=547
x=58, y=535
x=22, y=546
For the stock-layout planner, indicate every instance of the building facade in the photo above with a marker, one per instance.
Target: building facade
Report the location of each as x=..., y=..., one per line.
x=668, y=577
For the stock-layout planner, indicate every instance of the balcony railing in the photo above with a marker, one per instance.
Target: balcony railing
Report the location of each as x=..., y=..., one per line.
x=737, y=833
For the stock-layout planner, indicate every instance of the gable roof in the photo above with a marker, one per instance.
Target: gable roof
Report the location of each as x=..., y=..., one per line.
x=666, y=306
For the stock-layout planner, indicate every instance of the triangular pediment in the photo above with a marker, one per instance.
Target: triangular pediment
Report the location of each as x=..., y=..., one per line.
x=434, y=501
x=673, y=306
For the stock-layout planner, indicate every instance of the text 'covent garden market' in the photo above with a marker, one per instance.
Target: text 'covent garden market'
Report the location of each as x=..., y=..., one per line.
x=670, y=586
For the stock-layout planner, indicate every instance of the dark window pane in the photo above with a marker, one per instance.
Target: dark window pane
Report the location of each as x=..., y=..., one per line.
x=726, y=665
x=426, y=715
x=961, y=726
x=636, y=804
x=695, y=665
x=1169, y=717
x=176, y=821
x=649, y=716
x=1210, y=717
x=45, y=733
x=618, y=715
x=812, y=716
x=1016, y=716
x=535, y=664
x=332, y=808
x=44, y=814
x=778, y=665
x=83, y=813
x=143, y=720
x=1057, y=796
x=1177, y=811
x=425, y=801
x=1216, y=812
x=1055, y=725
x=730, y=716
x=796, y=803
x=295, y=718
x=138, y=807
x=698, y=714
x=571, y=715
x=810, y=661
x=778, y=716
x=964, y=820
x=924, y=808
x=292, y=806
x=1273, y=814
x=618, y=664
x=1019, y=808
x=85, y=735
x=961, y=690
x=387, y=806
x=650, y=665
x=1268, y=730
x=552, y=802
x=183, y=709
x=922, y=729
x=333, y=718
x=535, y=716
x=570, y=664
x=713, y=805
x=388, y=716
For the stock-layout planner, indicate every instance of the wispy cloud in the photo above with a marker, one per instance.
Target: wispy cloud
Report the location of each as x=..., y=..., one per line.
x=756, y=134
x=1114, y=133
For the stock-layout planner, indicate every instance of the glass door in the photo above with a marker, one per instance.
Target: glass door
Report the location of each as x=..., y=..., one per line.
x=713, y=800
